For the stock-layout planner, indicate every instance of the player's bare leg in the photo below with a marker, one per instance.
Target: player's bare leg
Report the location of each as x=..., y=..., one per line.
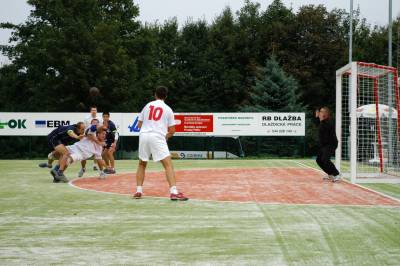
x=58, y=175
x=105, y=157
x=102, y=166
x=140, y=173
x=169, y=171
x=170, y=174
x=141, y=170
x=83, y=168
x=61, y=150
x=95, y=168
x=58, y=153
x=51, y=157
x=64, y=162
x=107, y=164
x=110, y=154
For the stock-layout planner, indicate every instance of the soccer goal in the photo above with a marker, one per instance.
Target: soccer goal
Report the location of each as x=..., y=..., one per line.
x=367, y=123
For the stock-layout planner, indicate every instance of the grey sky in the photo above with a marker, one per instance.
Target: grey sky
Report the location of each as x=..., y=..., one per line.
x=375, y=11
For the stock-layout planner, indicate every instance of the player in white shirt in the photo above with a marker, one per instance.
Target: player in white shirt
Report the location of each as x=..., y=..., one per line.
x=90, y=133
x=93, y=115
x=157, y=125
x=82, y=150
x=88, y=121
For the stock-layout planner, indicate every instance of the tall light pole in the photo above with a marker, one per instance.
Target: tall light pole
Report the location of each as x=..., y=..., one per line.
x=351, y=33
x=390, y=34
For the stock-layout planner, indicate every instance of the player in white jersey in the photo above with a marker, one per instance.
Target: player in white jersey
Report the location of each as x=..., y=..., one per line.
x=88, y=121
x=90, y=132
x=157, y=125
x=93, y=115
x=82, y=150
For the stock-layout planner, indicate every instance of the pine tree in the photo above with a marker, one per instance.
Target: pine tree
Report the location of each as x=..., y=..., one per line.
x=274, y=91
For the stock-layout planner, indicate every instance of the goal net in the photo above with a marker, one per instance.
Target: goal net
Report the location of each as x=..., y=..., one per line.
x=367, y=123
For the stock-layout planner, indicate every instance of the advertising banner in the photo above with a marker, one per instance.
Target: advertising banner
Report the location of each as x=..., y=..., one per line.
x=187, y=124
x=259, y=124
x=194, y=123
x=202, y=155
x=35, y=124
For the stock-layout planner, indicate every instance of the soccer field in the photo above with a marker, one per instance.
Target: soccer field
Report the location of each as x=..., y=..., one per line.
x=44, y=223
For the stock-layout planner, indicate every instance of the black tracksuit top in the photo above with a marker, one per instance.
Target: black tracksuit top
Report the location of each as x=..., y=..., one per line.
x=327, y=134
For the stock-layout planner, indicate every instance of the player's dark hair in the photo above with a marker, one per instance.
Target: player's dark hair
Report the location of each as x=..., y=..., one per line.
x=79, y=124
x=161, y=92
x=106, y=113
x=328, y=111
x=93, y=106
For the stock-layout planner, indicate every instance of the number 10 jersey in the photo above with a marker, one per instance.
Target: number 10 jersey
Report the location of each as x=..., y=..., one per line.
x=156, y=117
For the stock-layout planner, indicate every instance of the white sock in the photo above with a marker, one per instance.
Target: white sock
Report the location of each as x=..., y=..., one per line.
x=139, y=189
x=173, y=190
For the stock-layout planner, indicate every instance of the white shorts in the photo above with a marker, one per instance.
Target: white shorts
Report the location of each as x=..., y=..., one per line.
x=75, y=153
x=153, y=144
x=78, y=155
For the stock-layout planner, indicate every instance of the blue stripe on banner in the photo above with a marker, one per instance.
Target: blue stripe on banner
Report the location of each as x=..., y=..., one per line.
x=40, y=123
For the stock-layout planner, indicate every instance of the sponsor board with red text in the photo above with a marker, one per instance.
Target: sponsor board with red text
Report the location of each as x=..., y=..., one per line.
x=187, y=124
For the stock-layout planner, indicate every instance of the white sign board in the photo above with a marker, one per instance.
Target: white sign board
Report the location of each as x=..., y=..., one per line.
x=259, y=124
x=187, y=124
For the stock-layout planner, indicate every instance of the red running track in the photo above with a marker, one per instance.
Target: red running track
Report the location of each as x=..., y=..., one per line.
x=263, y=185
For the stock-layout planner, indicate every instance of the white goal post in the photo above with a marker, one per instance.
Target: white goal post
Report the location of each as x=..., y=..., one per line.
x=367, y=123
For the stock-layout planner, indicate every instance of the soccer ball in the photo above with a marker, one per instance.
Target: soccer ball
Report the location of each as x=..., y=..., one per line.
x=94, y=91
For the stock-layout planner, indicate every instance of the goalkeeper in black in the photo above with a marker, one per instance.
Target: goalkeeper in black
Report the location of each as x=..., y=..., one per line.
x=328, y=143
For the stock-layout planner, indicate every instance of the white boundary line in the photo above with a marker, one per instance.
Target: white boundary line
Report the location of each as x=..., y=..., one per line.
x=70, y=183
x=357, y=185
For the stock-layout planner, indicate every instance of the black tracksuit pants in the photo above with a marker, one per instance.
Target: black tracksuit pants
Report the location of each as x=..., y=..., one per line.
x=324, y=160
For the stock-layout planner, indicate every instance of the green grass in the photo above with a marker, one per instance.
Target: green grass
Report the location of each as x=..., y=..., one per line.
x=43, y=223
x=392, y=190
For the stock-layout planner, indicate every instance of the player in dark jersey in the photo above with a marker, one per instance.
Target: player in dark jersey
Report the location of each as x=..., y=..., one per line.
x=111, y=143
x=61, y=137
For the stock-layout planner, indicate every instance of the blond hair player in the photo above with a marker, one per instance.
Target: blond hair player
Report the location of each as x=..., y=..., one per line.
x=157, y=125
